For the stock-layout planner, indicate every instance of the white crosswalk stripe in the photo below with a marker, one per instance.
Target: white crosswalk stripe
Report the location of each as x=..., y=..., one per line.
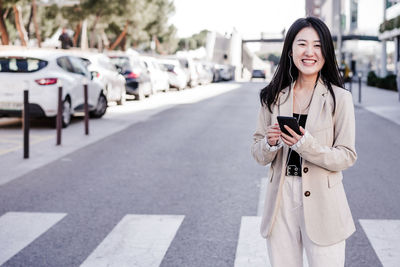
x=384, y=236
x=143, y=240
x=19, y=229
x=252, y=248
x=137, y=240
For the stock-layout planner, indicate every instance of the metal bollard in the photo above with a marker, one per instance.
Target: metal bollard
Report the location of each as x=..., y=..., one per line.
x=351, y=83
x=359, y=87
x=86, y=107
x=59, y=116
x=25, y=124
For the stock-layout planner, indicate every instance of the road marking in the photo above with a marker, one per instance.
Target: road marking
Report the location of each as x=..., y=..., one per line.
x=252, y=248
x=10, y=141
x=18, y=144
x=19, y=229
x=137, y=240
x=384, y=236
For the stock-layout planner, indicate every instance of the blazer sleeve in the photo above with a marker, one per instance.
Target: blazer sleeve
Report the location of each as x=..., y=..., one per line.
x=262, y=153
x=342, y=154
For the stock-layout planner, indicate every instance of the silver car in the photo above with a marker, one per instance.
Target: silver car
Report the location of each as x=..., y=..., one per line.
x=114, y=84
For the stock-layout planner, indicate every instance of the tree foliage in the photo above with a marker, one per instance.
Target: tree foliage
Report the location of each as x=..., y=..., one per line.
x=193, y=42
x=135, y=22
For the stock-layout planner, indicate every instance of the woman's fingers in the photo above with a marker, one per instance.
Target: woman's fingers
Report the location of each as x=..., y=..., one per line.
x=292, y=133
x=287, y=139
x=273, y=134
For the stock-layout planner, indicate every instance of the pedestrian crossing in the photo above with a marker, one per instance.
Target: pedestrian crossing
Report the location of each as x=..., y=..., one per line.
x=252, y=248
x=143, y=240
x=19, y=229
x=384, y=236
x=130, y=242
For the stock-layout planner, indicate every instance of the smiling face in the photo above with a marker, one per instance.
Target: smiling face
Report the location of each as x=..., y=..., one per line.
x=307, y=53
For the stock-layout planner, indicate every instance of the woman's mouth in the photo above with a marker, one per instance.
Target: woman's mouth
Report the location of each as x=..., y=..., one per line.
x=308, y=62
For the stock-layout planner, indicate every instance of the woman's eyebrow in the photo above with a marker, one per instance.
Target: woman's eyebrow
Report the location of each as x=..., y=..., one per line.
x=303, y=40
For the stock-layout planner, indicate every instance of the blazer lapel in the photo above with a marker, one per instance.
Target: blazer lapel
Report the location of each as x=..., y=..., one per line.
x=285, y=108
x=317, y=103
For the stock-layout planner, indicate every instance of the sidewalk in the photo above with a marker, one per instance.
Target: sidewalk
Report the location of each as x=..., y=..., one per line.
x=42, y=139
x=382, y=102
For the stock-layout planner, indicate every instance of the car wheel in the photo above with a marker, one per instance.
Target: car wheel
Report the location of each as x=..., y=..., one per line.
x=101, y=107
x=140, y=95
x=66, y=113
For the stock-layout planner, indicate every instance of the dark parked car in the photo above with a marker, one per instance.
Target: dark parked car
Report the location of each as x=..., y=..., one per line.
x=137, y=77
x=257, y=73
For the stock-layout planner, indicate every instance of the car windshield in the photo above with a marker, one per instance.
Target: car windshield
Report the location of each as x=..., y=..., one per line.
x=184, y=63
x=168, y=67
x=21, y=64
x=121, y=62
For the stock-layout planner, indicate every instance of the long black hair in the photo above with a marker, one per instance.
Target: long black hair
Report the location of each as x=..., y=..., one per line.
x=281, y=78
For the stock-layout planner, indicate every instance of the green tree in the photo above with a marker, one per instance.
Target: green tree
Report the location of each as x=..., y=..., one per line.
x=193, y=42
x=17, y=7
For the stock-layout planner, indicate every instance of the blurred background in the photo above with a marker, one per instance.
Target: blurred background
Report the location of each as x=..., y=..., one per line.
x=246, y=35
x=173, y=164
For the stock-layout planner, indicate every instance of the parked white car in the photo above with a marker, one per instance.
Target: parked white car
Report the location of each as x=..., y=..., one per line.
x=159, y=79
x=102, y=69
x=42, y=72
x=176, y=76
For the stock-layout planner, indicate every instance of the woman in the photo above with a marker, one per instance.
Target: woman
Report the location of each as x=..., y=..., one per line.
x=305, y=204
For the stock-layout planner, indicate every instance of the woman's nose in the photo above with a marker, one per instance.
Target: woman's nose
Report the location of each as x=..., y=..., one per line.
x=309, y=50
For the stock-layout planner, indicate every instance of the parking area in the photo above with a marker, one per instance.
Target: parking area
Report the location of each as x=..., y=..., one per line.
x=13, y=142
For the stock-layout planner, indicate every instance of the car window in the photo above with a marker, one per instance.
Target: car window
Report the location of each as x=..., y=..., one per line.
x=184, y=63
x=65, y=64
x=121, y=62
x=106, y=63
x=79, y=66
x=86, y=61
x=19, y=64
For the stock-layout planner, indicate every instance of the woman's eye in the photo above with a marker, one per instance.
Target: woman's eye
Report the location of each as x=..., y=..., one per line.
x=302, y=44
x=317, y=45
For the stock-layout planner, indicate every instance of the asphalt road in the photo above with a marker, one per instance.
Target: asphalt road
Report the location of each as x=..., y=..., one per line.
x=192, y=160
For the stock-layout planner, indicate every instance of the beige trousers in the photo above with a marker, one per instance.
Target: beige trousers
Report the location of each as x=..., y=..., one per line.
x=288, y=237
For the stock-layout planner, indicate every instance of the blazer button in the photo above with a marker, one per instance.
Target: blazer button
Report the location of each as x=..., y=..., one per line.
x=307, y=193
x=305, y=170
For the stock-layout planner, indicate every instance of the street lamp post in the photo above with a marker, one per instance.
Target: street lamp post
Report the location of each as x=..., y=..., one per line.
x=339, y=36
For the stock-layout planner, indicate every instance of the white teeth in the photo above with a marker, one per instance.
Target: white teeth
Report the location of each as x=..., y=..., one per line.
x=309, y=60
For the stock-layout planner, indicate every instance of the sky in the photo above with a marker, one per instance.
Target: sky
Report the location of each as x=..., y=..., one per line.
x=249, y=17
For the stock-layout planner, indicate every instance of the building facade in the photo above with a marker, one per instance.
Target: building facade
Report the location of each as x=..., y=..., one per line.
x=354, y=30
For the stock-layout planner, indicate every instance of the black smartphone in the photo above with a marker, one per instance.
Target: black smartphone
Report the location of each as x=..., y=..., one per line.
x=289, y=121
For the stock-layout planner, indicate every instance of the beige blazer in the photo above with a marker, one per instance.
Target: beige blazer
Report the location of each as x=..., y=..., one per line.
x=328, y=149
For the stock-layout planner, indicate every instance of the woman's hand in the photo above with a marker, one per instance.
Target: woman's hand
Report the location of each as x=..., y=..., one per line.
x=273, y=134
x=291, y=140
